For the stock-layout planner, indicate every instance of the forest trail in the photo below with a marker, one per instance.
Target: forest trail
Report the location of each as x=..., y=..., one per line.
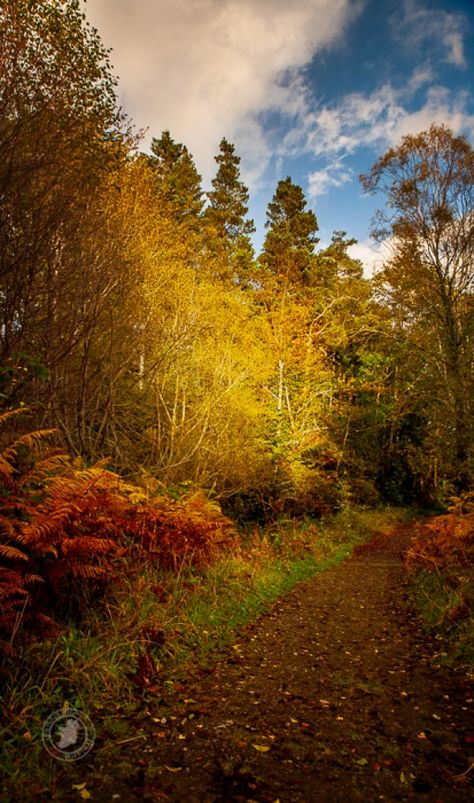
x=333, y=695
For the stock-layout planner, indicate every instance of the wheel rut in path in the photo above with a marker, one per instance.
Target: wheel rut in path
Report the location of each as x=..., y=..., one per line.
x=334, y=695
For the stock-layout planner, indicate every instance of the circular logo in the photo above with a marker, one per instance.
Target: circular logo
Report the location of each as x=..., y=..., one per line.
x=68, y=735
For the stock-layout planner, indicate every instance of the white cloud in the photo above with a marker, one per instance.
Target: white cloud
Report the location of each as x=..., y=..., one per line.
x=377, y=120
x=440, y=107
x=455, y=46
x=334, y=175
x=434, y=29
x=420, y=77
x=205, y=69
x=371, y=255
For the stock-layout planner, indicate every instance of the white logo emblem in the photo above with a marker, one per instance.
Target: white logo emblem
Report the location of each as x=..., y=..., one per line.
x=68, y=735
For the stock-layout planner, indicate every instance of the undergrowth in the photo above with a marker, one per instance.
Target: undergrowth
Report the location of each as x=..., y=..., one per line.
x=154, y=628
x=441, y=567
x=112, y=594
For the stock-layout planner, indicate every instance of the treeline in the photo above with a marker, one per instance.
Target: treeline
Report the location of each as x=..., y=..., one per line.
x=136, y=319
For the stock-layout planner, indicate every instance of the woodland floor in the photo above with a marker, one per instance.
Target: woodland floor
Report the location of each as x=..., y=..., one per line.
x=334, y=695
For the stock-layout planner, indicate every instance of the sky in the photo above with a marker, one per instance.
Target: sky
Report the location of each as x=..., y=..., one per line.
x=312, y=89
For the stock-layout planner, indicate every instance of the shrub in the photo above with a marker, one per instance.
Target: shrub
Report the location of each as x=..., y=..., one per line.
x=62, y=527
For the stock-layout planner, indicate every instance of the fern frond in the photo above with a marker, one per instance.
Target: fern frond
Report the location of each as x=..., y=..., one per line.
x=11, y=589
x=44, y=468
x=10, y=413
x=6, y=467
x=87, y=545
x=12, y=553
x=29, y=579
x=87, y=571
x=7, y=525
x=30, y=439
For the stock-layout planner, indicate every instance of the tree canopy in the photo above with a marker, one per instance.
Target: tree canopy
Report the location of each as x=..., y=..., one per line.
x=136, y=320
x=291, y=237
x=428, y=283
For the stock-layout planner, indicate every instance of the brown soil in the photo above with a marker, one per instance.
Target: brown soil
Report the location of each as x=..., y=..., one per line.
x=334, y=695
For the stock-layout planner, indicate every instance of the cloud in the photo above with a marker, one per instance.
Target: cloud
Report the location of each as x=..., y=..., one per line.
x=334, y=175
x=333, y=134
x=420, y=77
x=431, y=28
x=205, y=69
x=371, y=255
x=375, y=120
x=441, y=107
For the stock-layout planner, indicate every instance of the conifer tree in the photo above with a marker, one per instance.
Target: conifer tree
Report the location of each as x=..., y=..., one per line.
x=178, y=182
x=288, y=249
x=229, y=227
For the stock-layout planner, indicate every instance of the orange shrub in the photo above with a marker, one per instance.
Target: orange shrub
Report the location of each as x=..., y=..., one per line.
x=62, y=527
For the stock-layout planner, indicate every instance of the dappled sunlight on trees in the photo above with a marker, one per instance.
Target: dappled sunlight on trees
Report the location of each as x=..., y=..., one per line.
x=428, y=288
x=137, y=321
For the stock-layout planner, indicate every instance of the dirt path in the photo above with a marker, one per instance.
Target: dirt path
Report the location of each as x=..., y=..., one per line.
x=331, y=696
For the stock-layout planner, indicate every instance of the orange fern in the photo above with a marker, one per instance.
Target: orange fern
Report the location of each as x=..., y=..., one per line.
x=446, y=541
x=62, y=526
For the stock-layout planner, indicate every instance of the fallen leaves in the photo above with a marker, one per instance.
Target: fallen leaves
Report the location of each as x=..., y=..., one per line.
x=83, y=793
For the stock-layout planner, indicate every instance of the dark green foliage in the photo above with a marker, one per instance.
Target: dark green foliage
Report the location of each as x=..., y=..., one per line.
x=229, y=229
x=288, y=250
x=228, y=199
x=178, y=182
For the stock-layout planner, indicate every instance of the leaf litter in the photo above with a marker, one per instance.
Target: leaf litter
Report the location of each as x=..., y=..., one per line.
x=334, y=694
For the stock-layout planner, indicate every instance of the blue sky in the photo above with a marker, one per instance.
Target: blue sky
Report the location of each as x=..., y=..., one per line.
x=314, y=89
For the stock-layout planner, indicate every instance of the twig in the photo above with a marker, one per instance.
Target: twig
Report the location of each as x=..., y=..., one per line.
x=463, y=774
x=122, y=741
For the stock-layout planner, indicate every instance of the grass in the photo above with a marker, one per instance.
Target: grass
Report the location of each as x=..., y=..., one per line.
x=441, y=602
x=151, y=630
x=441, y=566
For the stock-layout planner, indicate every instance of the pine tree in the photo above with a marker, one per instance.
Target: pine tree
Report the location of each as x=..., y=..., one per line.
x=178, y=181
x=288, y=249
x=229, y=229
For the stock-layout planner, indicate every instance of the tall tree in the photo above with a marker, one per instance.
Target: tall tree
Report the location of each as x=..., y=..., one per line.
x=429, y=282
x=60, y=133
x=288, y=250
x=178, y=181
x=226, y=215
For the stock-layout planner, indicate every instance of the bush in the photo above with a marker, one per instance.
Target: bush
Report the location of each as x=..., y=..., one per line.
x=441, y=562
x=63, y=526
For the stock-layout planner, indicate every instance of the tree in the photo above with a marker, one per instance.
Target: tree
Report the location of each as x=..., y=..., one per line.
x=428, y=283
x=226, y=216
x=178, y=181
x=60, y=133
x=334, y=264
x=288, y=249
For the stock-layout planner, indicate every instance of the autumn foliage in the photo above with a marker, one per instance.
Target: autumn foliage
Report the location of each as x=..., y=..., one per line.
x=446, y=541
x=64, y=527
x=445, y=549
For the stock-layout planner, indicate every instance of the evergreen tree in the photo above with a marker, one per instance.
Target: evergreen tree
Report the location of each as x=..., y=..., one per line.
x=230, y=230
x=335, y=264
x=178, y=182
x=288, y=249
